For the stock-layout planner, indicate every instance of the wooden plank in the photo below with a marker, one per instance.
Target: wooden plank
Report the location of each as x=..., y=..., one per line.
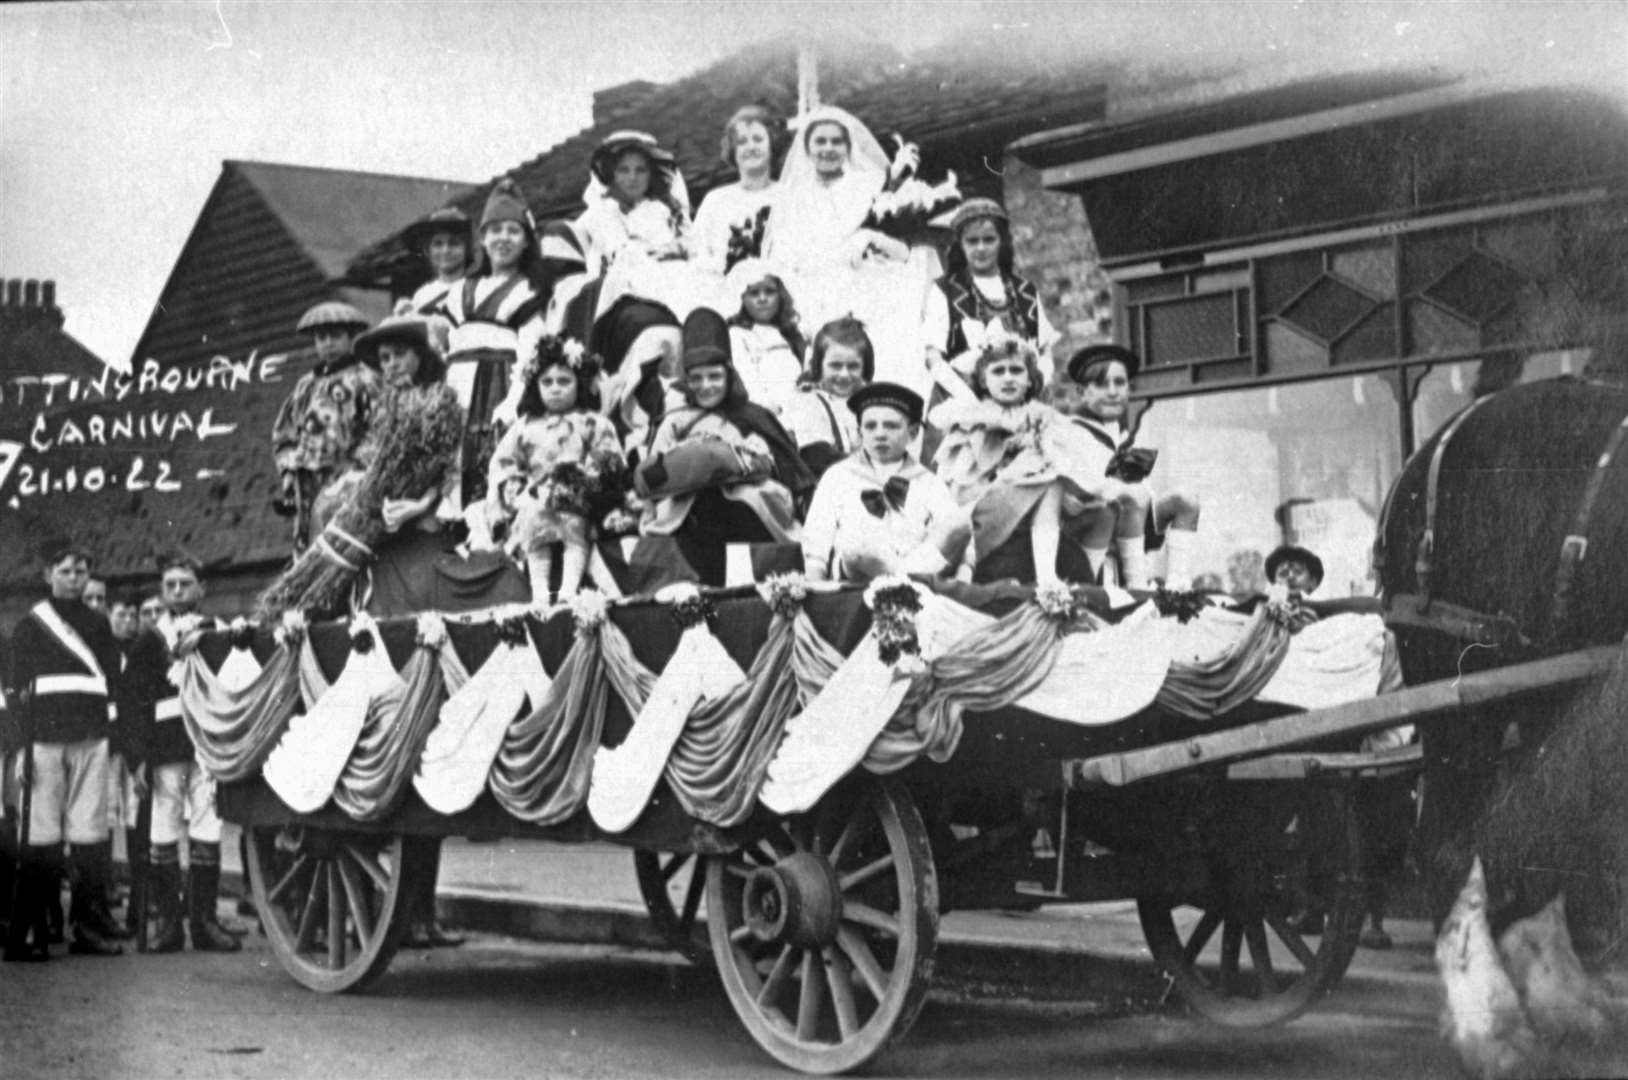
x=1293, y=766
x=1412, y=705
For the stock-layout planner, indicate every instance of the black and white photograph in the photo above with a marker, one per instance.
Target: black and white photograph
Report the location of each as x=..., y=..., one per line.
x=905, y=538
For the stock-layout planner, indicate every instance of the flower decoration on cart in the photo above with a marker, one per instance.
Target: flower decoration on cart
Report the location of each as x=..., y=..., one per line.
x=907, y=204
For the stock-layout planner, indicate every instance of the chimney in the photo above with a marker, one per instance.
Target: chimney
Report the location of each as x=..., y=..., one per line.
x=616, y=103
x=30, y=301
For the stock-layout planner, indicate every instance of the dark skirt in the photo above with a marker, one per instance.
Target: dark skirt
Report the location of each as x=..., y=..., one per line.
x=417, y=571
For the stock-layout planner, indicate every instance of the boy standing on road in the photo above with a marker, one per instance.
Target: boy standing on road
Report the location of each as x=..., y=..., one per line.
x=65, y=664
x=183, y=790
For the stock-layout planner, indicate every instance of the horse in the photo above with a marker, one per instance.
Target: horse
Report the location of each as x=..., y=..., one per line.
x=1505, y=539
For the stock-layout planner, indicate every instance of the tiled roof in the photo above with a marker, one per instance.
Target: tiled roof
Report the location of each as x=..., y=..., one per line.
x=959, y=113
x=334, y=213
x=267, y=245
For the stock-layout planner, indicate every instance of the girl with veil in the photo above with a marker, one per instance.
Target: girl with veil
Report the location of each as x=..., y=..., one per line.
x=834, y=264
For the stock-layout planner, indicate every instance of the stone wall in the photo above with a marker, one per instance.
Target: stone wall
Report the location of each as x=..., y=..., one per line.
x=1055, y=250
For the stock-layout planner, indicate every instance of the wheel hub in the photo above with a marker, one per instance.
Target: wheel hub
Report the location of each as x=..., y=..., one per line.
x=797, y=900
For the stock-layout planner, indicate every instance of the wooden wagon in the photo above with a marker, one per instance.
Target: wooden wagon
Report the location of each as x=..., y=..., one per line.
x=829, y=800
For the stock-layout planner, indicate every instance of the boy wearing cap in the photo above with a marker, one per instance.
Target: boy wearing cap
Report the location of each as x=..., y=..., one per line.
x=878, y=511
x=1295, y=568
x=183, y=790
x=320, y=427
x=1104, y=459
x=64, y=660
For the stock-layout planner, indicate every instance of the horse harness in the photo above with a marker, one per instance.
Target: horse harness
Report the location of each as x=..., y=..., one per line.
x=1498, y=631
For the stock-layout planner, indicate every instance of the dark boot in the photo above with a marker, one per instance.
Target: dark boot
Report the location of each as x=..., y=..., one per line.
x=52, y=878
x=203, y=897
x=164, y=889
x=28, y=932
x=92, y=866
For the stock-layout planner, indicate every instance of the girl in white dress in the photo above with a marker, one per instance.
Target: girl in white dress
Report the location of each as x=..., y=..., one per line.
x=744, y=206
x=763, y=335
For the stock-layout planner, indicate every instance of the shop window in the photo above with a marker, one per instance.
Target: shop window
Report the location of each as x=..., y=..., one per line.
x=1305, y=463
x=1444, y=389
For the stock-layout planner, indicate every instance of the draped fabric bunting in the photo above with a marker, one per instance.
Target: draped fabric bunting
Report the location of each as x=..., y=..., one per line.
x=234, y=730
x=459, y=750
x=625, y=776
x=394, y=735
x=988, y=669
x=305, y=765
x=808, y=710
x=541, y=773
x=1214, y=680
x=854, y=710
x=721, y=756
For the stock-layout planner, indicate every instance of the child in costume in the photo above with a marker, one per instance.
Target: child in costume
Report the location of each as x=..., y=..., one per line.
x=719, y=469
x=554, y=464
x=1102, y=448
x=635, y=198
x=321, y=426
x=878, y=511
x=637, y=224
x=1002, y=456
x=763, y=335
x=446, y=240
x=839, y=363
x=497, y=318
x=980, y=293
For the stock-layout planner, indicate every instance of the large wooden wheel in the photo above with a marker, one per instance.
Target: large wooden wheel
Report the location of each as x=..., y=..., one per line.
x=334, y=904
x=1242, y=946
x=824, y=929
x=672, y=885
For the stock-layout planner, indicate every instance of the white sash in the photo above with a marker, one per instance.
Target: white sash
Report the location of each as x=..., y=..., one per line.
x=70, y=640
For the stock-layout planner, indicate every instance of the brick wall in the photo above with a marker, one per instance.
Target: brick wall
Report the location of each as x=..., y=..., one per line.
x=1055, y=250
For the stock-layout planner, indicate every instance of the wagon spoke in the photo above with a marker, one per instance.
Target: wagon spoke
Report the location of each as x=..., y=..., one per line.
x=737, y=870
x=306, y=935
x=692, y=897
x=1290, y=937
x=865, y=873
x=1232, y=940
x=808, y=1002
x=777, y=977
x=336, y=919
x=1202, y=934
x=674, y=865
x=356, y=897
x=369, y=863
x=1255, y=932
x=864, y=961
x=842, y=992
x=747, y=968
x=849, y=828
x=300, y=865
x=740, y=934
x=865, y=915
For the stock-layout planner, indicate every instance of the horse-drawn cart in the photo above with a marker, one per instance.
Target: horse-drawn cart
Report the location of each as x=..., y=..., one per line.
x=832, y=770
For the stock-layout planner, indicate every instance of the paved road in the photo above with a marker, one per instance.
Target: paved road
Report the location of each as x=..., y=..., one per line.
x=499, y=1008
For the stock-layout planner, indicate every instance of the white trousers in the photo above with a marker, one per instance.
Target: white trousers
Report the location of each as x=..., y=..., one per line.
x=184, y=804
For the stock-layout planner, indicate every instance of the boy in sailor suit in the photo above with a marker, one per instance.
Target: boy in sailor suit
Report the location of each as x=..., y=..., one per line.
x=1103, y=459
x=878, y=511
x=183, y=791
x=63, y=654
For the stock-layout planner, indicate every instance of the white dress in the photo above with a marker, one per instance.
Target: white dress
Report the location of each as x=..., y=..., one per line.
x=816, y=237
x=723, y=209
x=767, y=366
